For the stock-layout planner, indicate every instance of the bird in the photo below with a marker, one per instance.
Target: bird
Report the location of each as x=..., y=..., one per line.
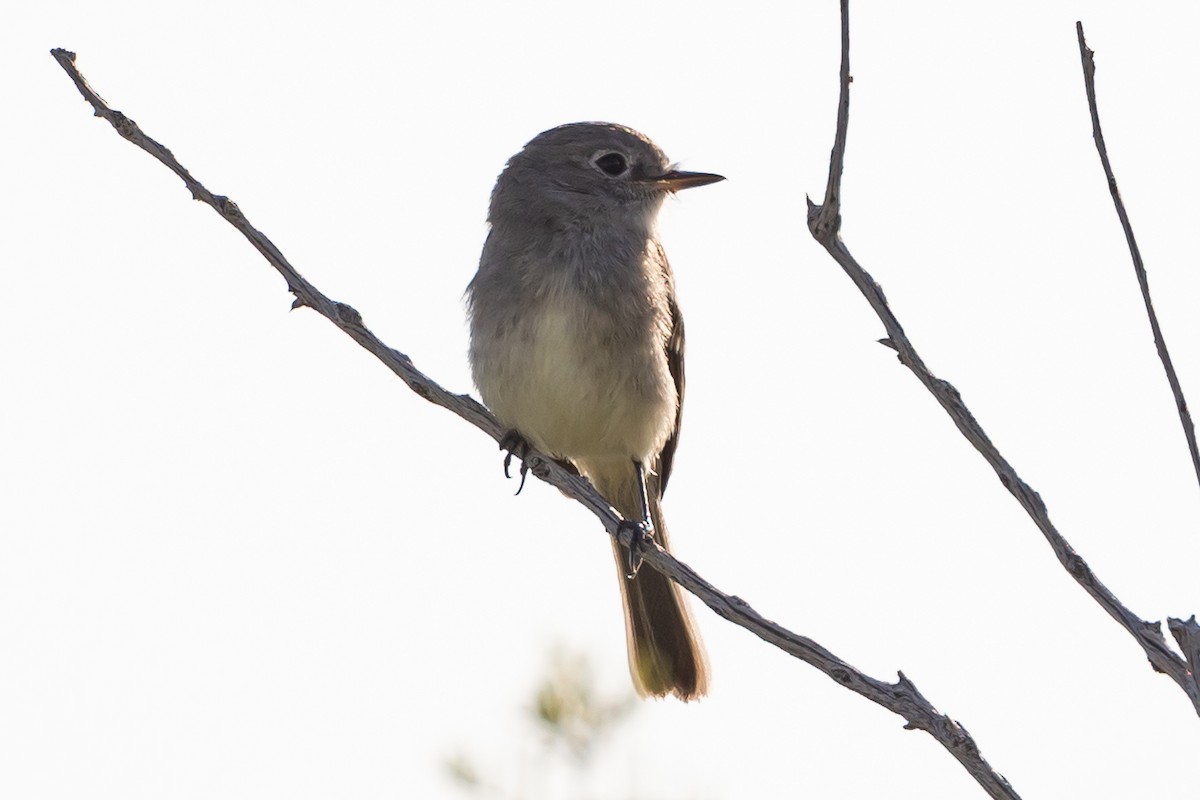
x=577, y=348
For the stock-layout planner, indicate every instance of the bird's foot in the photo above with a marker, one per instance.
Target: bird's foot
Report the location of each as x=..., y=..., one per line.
x=514, y=444
x=641, y=534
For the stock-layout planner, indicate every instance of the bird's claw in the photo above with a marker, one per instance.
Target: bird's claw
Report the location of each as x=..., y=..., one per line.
x=515, y=445
x=640, y=533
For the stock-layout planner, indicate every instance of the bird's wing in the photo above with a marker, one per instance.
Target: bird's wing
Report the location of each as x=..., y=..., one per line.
x=674, y=347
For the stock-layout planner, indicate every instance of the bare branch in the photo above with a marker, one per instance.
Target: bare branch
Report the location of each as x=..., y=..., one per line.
x=1148, y=634
x=1089, y=82
x=901, y=698
x=829, y=219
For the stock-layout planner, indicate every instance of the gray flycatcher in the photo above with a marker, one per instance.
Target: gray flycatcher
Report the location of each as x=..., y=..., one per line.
x=577, y=346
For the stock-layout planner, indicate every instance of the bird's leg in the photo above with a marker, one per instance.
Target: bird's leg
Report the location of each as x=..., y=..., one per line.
x=515, y=445
x=639, y=532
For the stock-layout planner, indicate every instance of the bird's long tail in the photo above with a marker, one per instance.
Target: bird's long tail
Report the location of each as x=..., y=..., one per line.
x=666, y=655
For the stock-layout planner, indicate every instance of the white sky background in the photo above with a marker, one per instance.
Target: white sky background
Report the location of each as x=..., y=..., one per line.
x=240, y=560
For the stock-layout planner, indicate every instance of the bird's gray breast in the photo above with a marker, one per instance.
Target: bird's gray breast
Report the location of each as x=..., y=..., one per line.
x=568, y=343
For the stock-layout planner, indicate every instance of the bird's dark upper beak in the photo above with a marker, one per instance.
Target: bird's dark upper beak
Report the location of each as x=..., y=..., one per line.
x=674, y=180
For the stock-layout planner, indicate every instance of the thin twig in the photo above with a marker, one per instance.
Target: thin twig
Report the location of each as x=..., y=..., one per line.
x=823, y=222
x=1089, y=82
x=901, y=697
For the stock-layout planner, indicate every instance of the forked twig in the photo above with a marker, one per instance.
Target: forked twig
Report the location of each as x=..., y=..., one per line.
x=901, y=697
x=824, y=222
x=1089, y=83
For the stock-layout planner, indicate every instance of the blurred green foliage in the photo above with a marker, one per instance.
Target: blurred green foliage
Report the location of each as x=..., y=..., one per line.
x=569, y=722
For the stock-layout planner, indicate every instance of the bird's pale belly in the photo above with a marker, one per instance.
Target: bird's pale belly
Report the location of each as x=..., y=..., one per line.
x=567, y=388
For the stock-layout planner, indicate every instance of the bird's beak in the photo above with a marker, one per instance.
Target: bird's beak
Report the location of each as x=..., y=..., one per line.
x=674, y=180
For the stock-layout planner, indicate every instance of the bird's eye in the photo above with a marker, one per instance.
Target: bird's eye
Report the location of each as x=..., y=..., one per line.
x=611, y=164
